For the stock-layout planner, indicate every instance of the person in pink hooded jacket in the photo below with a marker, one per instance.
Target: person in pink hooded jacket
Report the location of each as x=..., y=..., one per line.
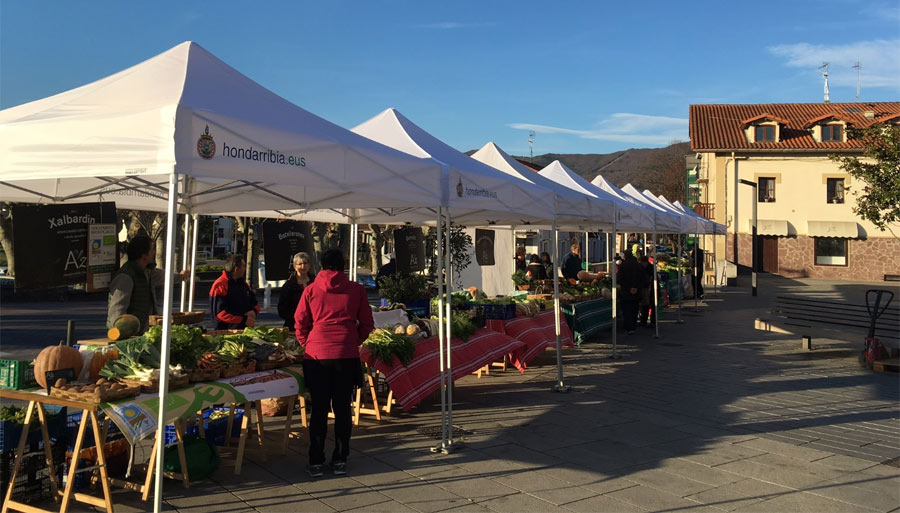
x=332, y=320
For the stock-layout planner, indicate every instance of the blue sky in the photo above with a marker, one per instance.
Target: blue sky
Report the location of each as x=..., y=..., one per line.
x=585, y=76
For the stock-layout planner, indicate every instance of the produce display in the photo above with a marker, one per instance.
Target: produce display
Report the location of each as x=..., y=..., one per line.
x=124, y=327
x=385, y=344
x=56, y=358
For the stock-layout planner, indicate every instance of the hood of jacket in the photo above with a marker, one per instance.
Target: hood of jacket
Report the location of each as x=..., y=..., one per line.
x=330, y=281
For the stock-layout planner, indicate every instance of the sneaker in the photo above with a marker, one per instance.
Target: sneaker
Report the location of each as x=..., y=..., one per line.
x=316, y=470
x=339, y=467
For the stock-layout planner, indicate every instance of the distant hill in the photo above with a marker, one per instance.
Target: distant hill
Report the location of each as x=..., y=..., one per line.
x=641, y=167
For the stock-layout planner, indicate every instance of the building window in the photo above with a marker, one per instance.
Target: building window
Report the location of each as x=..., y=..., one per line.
x=831, y=251
x=831, y=133
x=765, y=133
x=835, y=190
x=766, y=190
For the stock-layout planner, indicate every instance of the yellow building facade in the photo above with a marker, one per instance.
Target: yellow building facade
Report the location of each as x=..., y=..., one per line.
x=805, y=221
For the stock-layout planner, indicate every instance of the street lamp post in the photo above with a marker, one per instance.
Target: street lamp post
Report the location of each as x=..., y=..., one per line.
x=753, y=242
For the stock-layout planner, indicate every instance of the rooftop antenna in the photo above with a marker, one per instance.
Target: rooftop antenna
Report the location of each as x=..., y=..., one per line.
x=531, y=145
x=857, y=67
x=825, y=74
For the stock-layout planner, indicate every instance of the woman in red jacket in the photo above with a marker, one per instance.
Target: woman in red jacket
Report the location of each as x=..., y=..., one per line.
x=332, y=320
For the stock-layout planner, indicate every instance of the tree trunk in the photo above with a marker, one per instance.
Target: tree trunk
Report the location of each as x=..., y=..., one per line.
x=6, y=239
x=375, y=247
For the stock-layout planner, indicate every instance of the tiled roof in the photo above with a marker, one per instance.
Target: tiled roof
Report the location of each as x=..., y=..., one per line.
x=718, y=127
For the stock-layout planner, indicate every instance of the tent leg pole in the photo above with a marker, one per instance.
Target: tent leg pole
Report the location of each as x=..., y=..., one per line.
x=166, y=338
x=615, y=297
x=193, y=267
x=185, y=250
x=451, y=445
x=655, y=290
x=441, y=334
x=559, y=386
x=680, y=292
x=715, y=265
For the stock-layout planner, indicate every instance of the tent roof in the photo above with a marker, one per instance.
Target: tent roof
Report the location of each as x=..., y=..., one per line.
x=570, y=204
x=629, y=215
x=187, y=112
x=666, y=221
x=477, y=193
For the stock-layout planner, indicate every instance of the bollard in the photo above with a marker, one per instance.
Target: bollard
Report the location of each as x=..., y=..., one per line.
x=70, y=332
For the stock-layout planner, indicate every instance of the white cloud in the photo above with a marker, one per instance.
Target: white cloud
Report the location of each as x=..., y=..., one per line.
x=879, y=65
x=451, y=25
x=624, y=128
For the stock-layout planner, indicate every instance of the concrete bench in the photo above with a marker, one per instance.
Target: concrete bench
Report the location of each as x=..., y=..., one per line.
x=817, y=318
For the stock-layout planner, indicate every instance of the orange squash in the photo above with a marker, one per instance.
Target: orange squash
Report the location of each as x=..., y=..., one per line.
x=99, y=360
x=56, y=358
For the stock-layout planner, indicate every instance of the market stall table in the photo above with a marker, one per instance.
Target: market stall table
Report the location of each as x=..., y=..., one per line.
x=136, y=416
x=36, y=401
x=411, y=383
x=536, y=333
x=587, y=318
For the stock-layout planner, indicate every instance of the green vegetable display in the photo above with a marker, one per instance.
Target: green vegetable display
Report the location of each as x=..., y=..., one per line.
x=138, y=357
x=384, y=345
x=272, y=335
x=461, y=326
x=13, y=414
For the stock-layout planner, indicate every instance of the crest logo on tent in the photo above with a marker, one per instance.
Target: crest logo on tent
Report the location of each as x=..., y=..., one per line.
x=459, y=188
x=206, y=147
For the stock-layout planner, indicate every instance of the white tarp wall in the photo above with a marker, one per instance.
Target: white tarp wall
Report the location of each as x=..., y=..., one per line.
x=495, y=279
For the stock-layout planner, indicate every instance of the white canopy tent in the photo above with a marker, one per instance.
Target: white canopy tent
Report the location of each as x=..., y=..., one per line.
x=664, y=221
x=688, y=224
x=634, y=220
x=184, y=132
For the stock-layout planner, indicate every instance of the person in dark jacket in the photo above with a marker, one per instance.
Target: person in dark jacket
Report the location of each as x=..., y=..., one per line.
x=535, y=269
x=521, y=262
x=233, y=303
x=332, y=320
x=631, y=278
x=697, y=264
x=289, y=298
x=571, y=263
x=133, y=287
x=547, y=263
x=388, y=269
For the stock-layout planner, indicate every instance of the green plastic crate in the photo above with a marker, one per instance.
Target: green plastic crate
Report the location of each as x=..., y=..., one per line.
x=17, y=374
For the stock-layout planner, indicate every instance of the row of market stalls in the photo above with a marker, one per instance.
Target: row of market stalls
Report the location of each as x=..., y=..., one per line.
x=184, y=133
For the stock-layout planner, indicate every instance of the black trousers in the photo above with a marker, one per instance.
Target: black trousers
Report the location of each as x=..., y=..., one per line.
x=330, y=384
x=630, y=313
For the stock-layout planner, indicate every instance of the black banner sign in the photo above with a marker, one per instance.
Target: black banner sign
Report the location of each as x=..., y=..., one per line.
x=484, y=247
x=409, y=247
x=281, y=241
x=50, y=242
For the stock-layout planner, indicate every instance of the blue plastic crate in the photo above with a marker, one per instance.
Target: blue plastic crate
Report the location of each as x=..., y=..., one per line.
x=10, y=431
x=215, y=429
x=501, y=312
x=171, y=437
x=72, y=422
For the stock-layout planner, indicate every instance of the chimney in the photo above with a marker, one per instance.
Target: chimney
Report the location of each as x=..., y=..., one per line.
x=870, y=114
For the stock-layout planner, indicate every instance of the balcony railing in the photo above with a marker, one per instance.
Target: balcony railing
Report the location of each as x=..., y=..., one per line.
x=707, y=210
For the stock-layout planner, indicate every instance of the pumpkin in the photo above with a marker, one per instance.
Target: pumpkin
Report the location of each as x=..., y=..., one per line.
x=99, y=360
x=412, y=330
x=125, y=326
x=399, y=329
x=56, y=358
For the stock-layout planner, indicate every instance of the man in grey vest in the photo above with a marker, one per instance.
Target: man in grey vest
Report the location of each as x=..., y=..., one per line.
x=133, y=289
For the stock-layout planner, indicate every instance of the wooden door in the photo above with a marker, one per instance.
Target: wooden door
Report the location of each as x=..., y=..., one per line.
x=768, y=253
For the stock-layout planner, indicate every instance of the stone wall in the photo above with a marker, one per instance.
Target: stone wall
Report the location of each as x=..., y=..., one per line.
x=868, y=260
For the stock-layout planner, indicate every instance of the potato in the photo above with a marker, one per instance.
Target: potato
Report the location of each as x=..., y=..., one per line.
x=101, y=381
x=61, y=382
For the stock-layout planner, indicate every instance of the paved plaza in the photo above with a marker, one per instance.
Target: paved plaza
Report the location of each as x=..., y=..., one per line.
x=712, y=416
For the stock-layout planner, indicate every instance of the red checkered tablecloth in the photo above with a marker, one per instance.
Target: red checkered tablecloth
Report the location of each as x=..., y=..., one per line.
x=537, y=333
x=412, y=383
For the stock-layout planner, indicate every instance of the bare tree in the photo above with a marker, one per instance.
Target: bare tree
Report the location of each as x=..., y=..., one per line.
x=668, y=172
